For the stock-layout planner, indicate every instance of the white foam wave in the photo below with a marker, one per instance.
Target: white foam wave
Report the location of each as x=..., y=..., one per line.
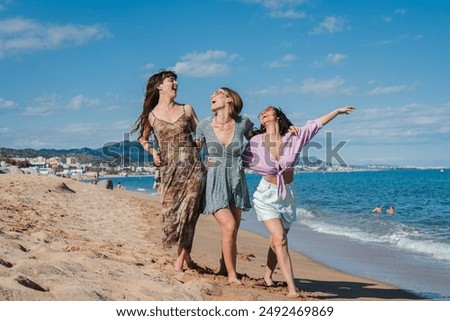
x=304, y=213
x=440, y=251
x=400, y=238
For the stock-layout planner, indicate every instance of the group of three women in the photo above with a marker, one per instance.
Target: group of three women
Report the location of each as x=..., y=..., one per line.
x=272, y=152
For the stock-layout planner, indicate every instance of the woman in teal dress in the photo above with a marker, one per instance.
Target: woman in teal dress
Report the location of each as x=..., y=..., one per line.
x=226, y=192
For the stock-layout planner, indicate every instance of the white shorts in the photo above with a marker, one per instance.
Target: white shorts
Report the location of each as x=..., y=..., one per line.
x=269, y=205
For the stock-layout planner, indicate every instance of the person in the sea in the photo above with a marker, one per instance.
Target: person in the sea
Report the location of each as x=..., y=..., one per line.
x=273, y=154
x=391, y=210
x=226, y=192
x=181, y=168
x=377, y=209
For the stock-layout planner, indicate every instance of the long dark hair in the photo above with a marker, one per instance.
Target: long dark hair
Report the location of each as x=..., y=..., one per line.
x=283, y=121
x=151, y=99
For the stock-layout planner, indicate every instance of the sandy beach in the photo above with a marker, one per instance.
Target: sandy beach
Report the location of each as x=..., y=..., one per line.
x=64, y=240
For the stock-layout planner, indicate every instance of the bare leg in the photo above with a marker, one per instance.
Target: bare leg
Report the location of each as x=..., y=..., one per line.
x=271, y=263
x=278, y=239
x=229, y=220
x=180, y=259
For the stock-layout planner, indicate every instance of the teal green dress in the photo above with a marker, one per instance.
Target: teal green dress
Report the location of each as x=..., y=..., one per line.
x=226, y=183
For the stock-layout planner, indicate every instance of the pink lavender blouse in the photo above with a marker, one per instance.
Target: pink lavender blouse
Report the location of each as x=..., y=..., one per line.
x=258, y=158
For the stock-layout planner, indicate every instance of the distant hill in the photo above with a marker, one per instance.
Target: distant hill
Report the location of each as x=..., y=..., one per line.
x=125, y=153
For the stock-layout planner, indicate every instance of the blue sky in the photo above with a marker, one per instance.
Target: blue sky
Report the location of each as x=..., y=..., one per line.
x=73, y=73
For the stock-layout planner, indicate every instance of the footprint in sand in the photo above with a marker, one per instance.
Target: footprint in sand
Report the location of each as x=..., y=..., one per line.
x=30, y=284
x=245, y=256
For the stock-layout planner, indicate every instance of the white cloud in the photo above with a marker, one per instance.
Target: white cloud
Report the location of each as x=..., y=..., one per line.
x=334, y=86
x=284, y=62
x=45, y=105
x=51, y=104
x=79, y=128
x=274, y=4
x=5, y=130
x=80, y=101
x=18, y=35
x=411, y=123
x=386, y=18
x=7, y=104
x=273, y=90
x=94, y=134
x=388, y=90
x=285, y=9
x=389, y=19
x=204, y=64
x=289, y=57
x=331, y=24
x=327, y=87
x=288, y=14
x=335, y=58
x=332, y=58
x=149, y=66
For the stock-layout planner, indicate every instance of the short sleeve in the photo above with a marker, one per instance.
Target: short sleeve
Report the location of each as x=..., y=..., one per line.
x=248, y=124
x=200, y=130
x=308, y=131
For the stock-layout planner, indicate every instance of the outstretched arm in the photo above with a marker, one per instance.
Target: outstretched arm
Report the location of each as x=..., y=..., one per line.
x=325, y=119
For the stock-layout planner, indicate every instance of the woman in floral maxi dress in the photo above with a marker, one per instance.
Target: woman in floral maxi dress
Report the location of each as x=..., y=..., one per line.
x=182, y=172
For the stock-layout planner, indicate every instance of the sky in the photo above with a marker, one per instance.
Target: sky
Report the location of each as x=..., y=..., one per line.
x=73, y=73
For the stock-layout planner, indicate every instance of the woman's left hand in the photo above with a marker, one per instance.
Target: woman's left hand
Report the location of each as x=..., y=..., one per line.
x=293, y=130
x=345, y=110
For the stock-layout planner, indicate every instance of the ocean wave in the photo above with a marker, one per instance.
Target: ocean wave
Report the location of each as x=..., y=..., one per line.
x=440, y=251
x=399, y=236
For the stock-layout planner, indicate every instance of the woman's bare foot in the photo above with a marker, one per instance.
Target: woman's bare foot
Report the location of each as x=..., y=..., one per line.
x=180, y=260
x=179, y=265
x=268, y=281
x=293, y=294
x=234, y=282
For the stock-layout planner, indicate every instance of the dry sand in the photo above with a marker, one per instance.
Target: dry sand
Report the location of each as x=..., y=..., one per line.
x=70, y=241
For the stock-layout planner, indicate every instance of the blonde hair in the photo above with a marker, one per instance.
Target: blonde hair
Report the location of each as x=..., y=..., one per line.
x=236, y=102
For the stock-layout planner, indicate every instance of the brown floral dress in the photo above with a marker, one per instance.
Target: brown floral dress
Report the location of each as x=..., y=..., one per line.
x=182, y=181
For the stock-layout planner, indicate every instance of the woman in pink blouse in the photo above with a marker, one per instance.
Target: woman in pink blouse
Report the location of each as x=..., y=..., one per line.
x=273, y=154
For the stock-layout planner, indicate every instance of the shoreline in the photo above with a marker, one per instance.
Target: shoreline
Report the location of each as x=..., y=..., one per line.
x=69, y=241
x=367, y=260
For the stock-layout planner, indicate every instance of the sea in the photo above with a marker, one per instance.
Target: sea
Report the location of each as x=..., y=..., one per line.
x=338, y=228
